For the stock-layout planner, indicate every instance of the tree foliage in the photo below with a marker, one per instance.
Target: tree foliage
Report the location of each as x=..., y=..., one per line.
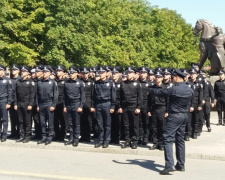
x=90, y=32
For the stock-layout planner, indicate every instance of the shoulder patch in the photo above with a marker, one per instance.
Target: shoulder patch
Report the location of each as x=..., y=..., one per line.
x=135, y=84
x=32, y=83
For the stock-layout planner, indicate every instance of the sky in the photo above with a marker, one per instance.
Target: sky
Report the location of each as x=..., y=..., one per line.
x=192, y=10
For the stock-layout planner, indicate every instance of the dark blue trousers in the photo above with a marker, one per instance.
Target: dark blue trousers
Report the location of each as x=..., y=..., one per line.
x=74, y=120
x=104, y=121
x=174, y=129
x=46, y=119
x=3, y=118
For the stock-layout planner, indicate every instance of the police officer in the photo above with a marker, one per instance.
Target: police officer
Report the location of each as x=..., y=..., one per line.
x=24, y=99
x=74, y=100
x=208, y=94
x=144, y=118
x=36, y=75
x=47, y=95
x=219, y=88
x=167, y=77
x=180, y=97
x=5, y=102
x=15, y=125
x=116, y=117
x=88, y=109
x=158, y=112
x=104, y=102
x=60, y=120
x=196, y=103
x=131, y=101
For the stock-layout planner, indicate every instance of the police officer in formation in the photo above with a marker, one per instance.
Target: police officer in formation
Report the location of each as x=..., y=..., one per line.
x=219, y=89
x=104, y=102
x=131, y=101
x=5, y=102
x=23, y=104
x=104, y=98
x=47, y=96
x=60, y=119
x=15, y=125
x=74, y=100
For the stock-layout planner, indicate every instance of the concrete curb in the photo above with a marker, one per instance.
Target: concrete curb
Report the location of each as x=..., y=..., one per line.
x=113, y=149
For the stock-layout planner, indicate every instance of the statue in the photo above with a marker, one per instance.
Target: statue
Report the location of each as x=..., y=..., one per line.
x=211, y=45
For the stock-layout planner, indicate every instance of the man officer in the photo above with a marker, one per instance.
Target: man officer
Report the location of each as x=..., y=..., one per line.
x=180, y=97
x=131, y=98
x=24, y=100
x=47, y=95
x=74, y=100
x=5, y=102
x=104, y=102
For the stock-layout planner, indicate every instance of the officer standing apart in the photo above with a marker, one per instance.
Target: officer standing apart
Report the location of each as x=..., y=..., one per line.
x=74, y=100
x=104, y=102
x=24, y=100
x=47, y=95
x=180, y=97
x=5, y=101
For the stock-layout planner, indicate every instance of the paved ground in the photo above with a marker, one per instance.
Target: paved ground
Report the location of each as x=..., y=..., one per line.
x=205, y=159
x=35, y=164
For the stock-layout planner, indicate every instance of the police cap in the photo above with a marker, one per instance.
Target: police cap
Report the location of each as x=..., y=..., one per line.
x=158, y=74
x=130, y=69
x=60, y=68
x=2, y=67
x=25, y=68
x=15, y=67
x=73, y=69
x=179, y=73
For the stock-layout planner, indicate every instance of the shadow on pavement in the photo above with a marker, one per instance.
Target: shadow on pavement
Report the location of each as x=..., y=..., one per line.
x=148, y=164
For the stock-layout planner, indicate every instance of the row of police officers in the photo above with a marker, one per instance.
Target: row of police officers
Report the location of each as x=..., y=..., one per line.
x=110, y=103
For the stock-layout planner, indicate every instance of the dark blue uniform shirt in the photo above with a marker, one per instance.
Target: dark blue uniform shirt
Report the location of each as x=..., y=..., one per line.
x=180, y=97
x=105, y=91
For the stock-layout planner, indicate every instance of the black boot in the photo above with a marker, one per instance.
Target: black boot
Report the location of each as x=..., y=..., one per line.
x=220, y=122
x=126, y=144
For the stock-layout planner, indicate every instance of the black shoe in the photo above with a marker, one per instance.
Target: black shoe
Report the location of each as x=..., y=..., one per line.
x=153, y=147
x=105, y=145
x=99, y=144
x=198, y=134
x=167, y=171
x=144, y=143
x=186, y=138
x=194, y=136
x=42, y=141
x=133, y=145
x=48, y=141
x=161, y=148
x=178, y=168
x=20, y=140
x=209, y=129
x=223, y=124
x=69, y=142
x=126, y=144
x=219, y=123
x=26, y=140
x=75, y=143
x=139, y=141
x=3, y=139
